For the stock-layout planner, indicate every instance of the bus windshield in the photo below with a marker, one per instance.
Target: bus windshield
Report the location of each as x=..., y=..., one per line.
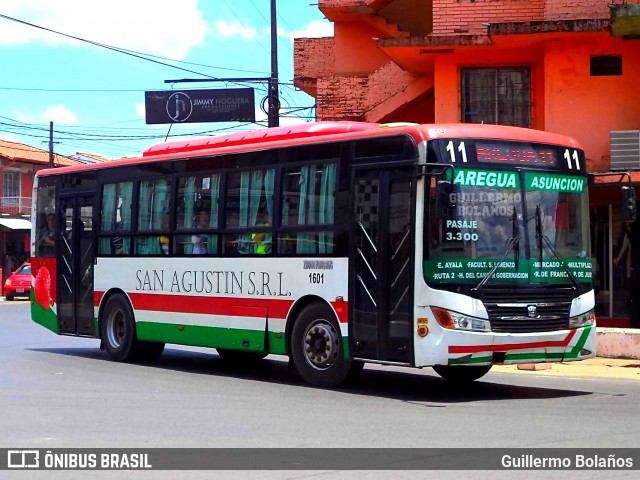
x=531, y=223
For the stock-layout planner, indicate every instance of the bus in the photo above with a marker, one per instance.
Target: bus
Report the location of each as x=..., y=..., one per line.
x=452, y=246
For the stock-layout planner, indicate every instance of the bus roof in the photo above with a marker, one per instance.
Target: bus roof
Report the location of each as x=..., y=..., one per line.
x=252, y=137
x=308, y=133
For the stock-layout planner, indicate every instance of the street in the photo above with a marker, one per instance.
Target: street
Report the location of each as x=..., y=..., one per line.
x=64, y=392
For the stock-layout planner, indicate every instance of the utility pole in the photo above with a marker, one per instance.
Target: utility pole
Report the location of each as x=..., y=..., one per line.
x=51, y=164
x=274, y=101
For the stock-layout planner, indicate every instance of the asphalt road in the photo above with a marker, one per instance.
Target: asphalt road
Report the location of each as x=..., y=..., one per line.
x=58, y=392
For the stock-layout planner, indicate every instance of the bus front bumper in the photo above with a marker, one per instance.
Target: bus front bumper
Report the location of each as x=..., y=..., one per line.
x=479, y=348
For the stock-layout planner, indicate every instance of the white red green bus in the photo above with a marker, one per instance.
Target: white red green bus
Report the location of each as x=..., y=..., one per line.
x=453, y=246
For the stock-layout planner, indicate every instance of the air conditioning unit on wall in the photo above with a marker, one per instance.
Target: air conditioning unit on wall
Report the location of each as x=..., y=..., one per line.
x=625, y=150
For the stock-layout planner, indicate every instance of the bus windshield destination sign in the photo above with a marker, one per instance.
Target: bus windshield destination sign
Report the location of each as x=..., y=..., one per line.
x=511, y=153
x=522, y=154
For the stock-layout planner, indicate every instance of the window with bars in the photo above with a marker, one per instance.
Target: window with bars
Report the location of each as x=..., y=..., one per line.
x=500, y=96
x=10, y=188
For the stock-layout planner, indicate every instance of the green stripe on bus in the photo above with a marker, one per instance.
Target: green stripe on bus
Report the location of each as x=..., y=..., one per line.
x=43, y=317
x=456, y=361
x=213, y=337
x=575, y=351
x=548, y=356
x=535, y=356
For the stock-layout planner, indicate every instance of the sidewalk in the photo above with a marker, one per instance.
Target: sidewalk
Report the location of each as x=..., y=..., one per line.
x=618, y=357
x=614, y=368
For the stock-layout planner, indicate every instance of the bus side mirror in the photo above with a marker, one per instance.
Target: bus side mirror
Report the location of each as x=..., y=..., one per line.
x=445, y=207
x=628, y=204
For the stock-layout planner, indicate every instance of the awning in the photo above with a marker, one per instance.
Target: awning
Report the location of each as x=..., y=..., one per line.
x=15, y=223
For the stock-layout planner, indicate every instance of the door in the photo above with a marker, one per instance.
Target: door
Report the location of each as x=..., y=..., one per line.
x=382, y=293
x=75, y=267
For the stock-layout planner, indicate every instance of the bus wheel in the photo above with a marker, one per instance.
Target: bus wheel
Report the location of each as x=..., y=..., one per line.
x=240, y=356
x=461, y=373
x=317, y=349
x=118, y=329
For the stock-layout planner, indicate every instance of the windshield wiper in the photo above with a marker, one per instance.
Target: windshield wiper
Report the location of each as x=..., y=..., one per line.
x=512, y=243
x=543, y=240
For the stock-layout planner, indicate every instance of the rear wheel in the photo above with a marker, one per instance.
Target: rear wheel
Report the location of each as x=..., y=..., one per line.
x=240, y=356
x=317, y=347
x=461, y=373
x=9, y=298
x=118, y=329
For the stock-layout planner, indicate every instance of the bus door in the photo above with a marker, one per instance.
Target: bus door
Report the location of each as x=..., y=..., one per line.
x=75, y=266
x=381, y=295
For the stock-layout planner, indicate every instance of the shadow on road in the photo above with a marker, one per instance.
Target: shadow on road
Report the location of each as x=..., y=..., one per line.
x=418, y=386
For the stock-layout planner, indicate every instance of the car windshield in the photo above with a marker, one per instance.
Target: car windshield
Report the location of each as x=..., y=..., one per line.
x=24, y=270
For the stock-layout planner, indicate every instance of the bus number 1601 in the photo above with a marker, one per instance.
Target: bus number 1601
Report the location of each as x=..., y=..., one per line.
x=316, y=278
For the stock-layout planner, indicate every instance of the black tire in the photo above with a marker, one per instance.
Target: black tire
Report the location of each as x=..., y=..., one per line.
x=118, y=330
x=240, y=356
x=462, y=373
x=9, y=298
x=317, y=348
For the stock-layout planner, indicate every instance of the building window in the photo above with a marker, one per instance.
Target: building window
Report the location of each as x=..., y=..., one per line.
x=11, y=188
x=605, y=65
x=500, y=96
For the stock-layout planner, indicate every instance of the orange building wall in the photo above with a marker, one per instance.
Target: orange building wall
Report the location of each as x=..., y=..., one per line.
x=587, y=107
x=464, y=16
x=314, y=57
x=26, y=184
x=356, y=52
x=572, y=9
x=447, y=79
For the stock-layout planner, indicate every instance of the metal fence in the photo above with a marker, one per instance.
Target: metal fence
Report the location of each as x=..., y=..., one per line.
x=15, y=205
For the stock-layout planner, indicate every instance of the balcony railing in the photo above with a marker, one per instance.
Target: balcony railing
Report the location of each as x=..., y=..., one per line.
x=15, y=205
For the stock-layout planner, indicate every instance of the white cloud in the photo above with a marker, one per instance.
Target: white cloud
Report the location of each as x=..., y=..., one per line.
x=161, y=27
x=59, y=114
x=10, y=137
x=314, y=29
x=140, y=110
x=234, y=29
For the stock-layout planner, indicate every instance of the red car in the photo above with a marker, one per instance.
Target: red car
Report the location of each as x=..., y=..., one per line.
x=19, y=283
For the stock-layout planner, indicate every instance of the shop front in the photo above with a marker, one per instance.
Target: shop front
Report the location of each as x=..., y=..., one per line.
x=615, y=251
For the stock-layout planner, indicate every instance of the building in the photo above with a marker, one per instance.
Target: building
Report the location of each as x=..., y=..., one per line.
x=567, y=67
x=18, y=165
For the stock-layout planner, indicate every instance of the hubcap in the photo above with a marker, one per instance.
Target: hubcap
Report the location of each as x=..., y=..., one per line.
x=115, y=328
x=321, y=344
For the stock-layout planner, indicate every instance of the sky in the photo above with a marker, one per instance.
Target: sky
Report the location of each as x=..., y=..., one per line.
x=94, y=95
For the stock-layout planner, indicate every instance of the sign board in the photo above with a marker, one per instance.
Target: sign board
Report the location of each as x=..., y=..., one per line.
x=194, y=106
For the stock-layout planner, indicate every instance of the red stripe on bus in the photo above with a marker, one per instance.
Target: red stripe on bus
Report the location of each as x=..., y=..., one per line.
x=511, y=346
x=236, y=307
x=97, y=298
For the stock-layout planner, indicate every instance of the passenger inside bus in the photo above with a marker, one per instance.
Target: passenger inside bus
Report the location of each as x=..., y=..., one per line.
x=47, y=237
x=262, y=241
x=199, y=240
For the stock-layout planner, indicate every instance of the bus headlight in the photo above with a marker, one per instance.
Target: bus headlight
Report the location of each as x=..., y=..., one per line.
x=583, y=320
x=459, y=321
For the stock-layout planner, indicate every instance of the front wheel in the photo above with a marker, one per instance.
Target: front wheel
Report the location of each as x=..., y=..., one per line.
x=460, y=373
x=317, y=347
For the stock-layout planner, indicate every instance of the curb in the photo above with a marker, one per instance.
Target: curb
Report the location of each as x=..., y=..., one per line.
x=618, y=343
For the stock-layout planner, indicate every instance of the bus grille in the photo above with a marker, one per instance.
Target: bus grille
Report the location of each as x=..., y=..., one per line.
x=509, y=310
